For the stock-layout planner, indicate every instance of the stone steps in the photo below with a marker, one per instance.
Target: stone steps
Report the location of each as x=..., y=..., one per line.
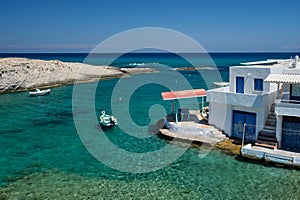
x=271, y=123
x=272, y=117
x=273, y=132
x=266, y=145
x=267, y=127
x=274, y=144
x=267, y=134
x=267, y=137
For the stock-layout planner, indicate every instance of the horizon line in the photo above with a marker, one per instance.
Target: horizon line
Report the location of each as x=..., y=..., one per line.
x=151, y=52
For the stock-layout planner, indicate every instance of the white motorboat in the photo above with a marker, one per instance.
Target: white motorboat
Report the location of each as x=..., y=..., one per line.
x=38, y=92
x=107, y=120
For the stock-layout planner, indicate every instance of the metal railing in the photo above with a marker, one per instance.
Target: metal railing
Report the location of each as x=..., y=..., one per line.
x=287, y=101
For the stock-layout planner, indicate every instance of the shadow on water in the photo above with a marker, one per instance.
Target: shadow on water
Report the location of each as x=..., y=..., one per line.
x=47, y=122
x=12, y=131
x=60, y=114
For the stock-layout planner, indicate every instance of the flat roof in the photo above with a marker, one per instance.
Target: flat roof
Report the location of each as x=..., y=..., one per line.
x=221, y=84
x=266, y=62
x=183, y=94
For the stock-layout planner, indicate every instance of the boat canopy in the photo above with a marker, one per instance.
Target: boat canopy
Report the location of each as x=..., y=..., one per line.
x=184, y=94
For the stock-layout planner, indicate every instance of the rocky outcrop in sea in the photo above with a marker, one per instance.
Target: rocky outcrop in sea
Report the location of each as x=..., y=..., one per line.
x=17, y=74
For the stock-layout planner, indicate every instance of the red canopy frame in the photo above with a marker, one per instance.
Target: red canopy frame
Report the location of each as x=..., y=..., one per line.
x=184, y=94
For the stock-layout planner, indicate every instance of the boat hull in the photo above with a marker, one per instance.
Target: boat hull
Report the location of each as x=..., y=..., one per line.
x=105, y=126
x=40, y=93
x=107, y=121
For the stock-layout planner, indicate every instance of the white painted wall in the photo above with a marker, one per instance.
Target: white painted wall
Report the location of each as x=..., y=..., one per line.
x=223, y=101
x=237, y=99
x=250, y=73
x=287, y=109
x=219, y=116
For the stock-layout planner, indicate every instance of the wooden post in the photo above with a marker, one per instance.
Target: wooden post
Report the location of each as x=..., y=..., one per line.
x=280, y=90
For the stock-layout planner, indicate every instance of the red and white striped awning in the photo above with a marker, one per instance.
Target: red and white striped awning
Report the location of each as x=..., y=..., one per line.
x=184, y=94
x=283, y=78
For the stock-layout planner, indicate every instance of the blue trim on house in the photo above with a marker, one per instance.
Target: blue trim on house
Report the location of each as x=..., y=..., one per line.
x=238, y=120
x=240, y=84
x=258, y=84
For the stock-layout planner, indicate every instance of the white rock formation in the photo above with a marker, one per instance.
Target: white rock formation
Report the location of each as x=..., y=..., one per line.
x=22, y=73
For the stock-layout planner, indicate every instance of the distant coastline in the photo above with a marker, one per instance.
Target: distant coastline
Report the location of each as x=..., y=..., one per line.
x=21, y=74
x=54, y=69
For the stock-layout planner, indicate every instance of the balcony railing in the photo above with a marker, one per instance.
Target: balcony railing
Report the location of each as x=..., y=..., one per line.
x=287, y=107
x=286, y=101
x=254, y=99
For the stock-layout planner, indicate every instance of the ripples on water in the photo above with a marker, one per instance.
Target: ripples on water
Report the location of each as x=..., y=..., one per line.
x=42, y=155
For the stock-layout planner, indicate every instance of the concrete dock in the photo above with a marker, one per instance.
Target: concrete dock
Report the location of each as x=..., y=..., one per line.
x=194, y=129
x=271, y=155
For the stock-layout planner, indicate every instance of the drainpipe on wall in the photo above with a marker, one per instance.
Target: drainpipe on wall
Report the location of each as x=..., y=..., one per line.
x=279, y=129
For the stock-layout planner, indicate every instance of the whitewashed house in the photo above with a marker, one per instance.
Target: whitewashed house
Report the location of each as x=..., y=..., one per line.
x=287, y=105
x=247, y=100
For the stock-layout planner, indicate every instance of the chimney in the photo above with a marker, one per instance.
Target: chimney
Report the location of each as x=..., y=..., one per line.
x=297, y=63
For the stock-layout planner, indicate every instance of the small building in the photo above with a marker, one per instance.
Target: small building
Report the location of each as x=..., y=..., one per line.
x=244, y=106
x=287, y=106
x=262, y=106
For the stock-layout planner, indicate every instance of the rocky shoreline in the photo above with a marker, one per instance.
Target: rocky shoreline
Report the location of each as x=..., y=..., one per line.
x=19, y=74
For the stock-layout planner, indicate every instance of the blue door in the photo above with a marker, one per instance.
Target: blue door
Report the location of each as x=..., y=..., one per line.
x=239, y=85
x=238, y=121
x=291, y=134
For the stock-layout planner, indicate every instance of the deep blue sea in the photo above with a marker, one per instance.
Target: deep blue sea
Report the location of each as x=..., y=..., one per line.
x=38, y=136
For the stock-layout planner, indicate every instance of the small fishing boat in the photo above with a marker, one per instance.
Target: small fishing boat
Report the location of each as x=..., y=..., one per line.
x=38, y=92
x=107, y=120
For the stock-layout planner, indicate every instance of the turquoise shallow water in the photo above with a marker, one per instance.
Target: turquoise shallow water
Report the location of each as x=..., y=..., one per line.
x=38, y=134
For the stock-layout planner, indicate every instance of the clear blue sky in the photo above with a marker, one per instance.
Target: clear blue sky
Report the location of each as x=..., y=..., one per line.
x=218, y=25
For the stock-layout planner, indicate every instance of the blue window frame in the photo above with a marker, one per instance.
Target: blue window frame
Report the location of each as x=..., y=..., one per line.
x=239, y=84
x=295, y=92
x=258, y=84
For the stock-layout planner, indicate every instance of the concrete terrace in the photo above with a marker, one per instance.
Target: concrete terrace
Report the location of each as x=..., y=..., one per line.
x=194, y=129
